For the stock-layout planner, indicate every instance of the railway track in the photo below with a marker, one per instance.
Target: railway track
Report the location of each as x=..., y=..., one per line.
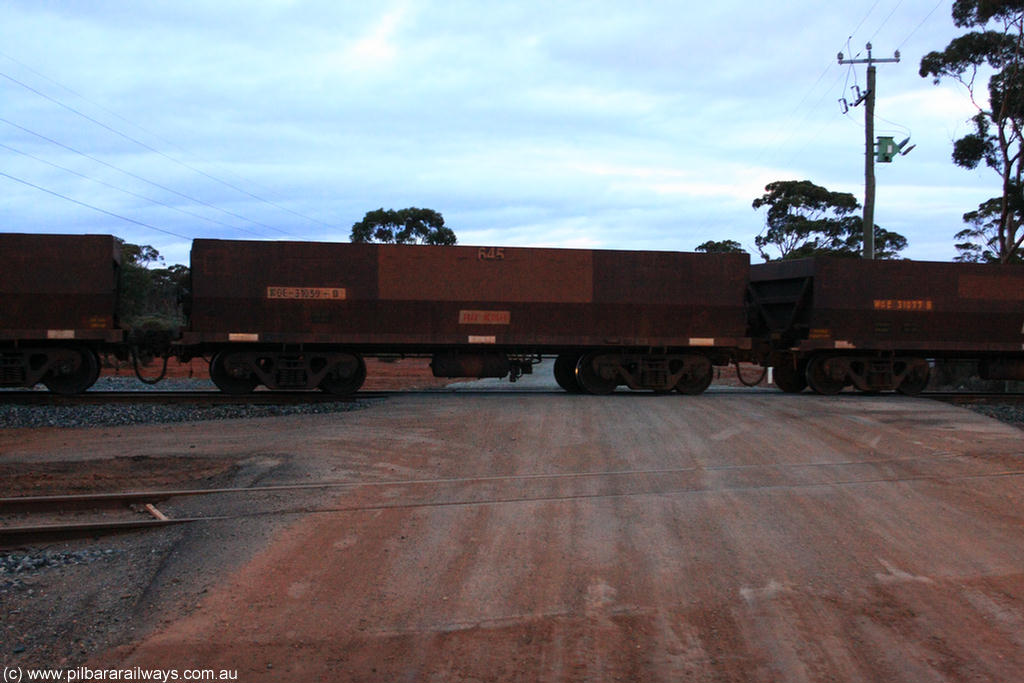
x=974, y=397
x=212, y=397
x=31, y=520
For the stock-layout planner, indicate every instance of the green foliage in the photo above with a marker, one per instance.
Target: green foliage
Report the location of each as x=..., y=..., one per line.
x=888, y=244
x=723, y=247
x=980, y=242
x=980, y=12
x=804, y=219
x=149, y=295
x=407, y=226
x=998, y=136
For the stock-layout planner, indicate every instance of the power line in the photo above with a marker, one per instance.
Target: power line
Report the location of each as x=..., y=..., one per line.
x=162, y=154
x=854, y=32
x=893, y=123
x=94, y=208
x=123, y=135
x=797, y=127
x=916, y=28
x=885, y=21
x=776, y=143
x=137, y=177
x=143, y=129
x=128, y=192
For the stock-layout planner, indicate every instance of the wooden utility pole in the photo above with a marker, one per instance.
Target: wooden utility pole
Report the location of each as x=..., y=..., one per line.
x=868, y=98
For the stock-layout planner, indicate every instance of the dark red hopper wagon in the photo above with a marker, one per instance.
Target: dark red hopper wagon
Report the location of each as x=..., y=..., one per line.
x=875, y=324
x=304, y=314
x=58, y=308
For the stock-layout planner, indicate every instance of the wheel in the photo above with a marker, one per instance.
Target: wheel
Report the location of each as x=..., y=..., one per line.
x=565, y=372
x=343, y=385
x=789, y=377
x=916, y=379
x=77, y=370
x=825, y=375
x=697, y=378
x=226, y=381
x=590, y=380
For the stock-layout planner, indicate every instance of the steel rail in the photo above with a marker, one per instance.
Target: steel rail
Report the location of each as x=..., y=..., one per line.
x=973, y=397
x=101, y=500
x=23, y=534
x=106, y=499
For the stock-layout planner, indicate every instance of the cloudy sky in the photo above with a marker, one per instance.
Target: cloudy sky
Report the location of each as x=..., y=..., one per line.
x=647, y=125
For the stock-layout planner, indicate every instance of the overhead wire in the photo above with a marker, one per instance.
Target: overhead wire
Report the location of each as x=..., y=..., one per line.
x=902, y=43
x=142, y=128
x=885, y=21
x=94, y=208
x=808, y=140
x=864, y=19
x=918, y=27
x=162, y=154
x=125, y=191
x=780, y=141
x=138, y=177
x=794, y=127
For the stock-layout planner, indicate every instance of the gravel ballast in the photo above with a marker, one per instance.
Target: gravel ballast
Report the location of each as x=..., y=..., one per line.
x=120, y=414
x=1010, y=413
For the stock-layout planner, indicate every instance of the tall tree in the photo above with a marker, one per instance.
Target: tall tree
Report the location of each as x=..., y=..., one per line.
x=406, y=226
x=997, y=45
x=149, y=294
x=804, y=219
x=980, y=242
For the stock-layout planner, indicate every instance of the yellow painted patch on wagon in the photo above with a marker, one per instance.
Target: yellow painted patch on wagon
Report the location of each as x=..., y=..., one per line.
x=307, y=293
x=904, y=305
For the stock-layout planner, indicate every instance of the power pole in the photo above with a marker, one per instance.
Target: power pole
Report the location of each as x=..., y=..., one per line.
x=868, y=98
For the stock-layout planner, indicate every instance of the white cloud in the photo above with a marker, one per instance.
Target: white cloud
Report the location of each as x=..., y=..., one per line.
x=587, y=124
x=376, y=49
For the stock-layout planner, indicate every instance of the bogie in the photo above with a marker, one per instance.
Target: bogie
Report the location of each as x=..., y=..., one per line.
x=600, y=373
x=240, y=372
x=789, y=375
x=231, y=375
x=72, y=371
x=826, y=375
x=597, y=373
x=565, y=372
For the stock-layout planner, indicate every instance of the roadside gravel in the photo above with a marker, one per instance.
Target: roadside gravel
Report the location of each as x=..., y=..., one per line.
x=15, y=566
x=1010, y=413
x=118, y=414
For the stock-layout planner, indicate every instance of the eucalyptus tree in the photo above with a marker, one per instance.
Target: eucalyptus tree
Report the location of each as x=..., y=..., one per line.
x=405, y=226
x=993, y=48
x=803, y=219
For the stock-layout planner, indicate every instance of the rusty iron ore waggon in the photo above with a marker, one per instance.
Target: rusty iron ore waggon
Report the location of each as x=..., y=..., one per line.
x=58, y=309
x=305, y=315
x=876, y=325
x=299, y=315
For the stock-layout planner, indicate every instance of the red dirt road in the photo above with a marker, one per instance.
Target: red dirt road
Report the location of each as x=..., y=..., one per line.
x=736, y=536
